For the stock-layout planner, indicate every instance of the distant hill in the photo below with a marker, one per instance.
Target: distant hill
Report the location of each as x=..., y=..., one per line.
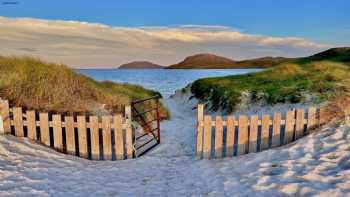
x=263, y=62
x=208, y=61
x=203, y=61
x=211, y=61
x=341, y=54
x=140, y=65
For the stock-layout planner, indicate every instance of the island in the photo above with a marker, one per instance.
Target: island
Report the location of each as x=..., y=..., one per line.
x=140, y=65
x=211, y=61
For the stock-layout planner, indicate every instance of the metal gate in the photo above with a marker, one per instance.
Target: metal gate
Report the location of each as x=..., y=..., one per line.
x=146, y=124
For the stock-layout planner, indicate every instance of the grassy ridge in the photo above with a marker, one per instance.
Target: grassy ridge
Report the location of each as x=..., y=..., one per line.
x=288, y=82
x=341, y=55
x=35, y=84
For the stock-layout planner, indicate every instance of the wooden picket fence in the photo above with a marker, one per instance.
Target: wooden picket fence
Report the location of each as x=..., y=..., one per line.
x=91, y=137
x=221, y=137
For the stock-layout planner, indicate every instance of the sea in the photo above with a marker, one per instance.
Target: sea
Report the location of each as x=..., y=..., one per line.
x=165, y=81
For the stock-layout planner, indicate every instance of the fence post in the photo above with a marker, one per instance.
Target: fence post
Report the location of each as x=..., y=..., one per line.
x=129, y=133
x=253, y=133
x=2, y=131
x=200, y=117
x=95, y=139
x=18, y=121
x=106, y=139
x=31, y=125
x=230, y=135
x=70, y=135
x=44, y=129
x=5, y=114
x=276, y=131
x=207, y=137
x=299, y=124
x=347, y=116
x=322, y=116
x=57, y=132
x=289, y=127
x=265, y=132
x=242, y=147
x=118, y=137
x=218, y=137
x=82, y=136
x=311, y=119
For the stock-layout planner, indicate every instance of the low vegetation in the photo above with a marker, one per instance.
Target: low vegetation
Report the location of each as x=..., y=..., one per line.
x=35, y=84
x=289, y=82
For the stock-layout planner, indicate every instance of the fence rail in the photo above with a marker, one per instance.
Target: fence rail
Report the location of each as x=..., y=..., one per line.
x=91, y=137
x=224, y=137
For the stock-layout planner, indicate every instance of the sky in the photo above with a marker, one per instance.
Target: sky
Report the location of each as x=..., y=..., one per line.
x=87, y=33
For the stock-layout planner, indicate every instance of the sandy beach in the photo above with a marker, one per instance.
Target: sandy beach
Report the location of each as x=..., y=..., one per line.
x=315, y=165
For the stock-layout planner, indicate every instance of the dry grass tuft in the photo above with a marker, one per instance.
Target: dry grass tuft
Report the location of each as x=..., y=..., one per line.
x=286, y=70
x=337, y=109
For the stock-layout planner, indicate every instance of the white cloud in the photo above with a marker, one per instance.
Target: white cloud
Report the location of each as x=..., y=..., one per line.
x=92, y=45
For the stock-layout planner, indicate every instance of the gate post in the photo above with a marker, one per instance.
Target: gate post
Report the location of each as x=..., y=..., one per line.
x=158, y=122
x=129, y=133
x=199, y=133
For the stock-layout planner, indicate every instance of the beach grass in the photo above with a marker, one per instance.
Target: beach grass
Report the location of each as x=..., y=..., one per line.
x=290, y=82
x=35, y=84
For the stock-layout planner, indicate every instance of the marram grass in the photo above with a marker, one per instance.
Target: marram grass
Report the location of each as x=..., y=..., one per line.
x=289, y=82
x=35, y=84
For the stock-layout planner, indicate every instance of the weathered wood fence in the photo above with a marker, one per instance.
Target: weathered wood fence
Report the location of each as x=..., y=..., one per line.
x=218, y=138
x=91, y=137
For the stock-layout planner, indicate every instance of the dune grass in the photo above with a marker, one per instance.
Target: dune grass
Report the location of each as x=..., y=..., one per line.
x=35, y=84
x=283, y=83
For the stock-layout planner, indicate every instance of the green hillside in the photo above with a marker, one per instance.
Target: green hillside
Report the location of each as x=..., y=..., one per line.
x=288, y=82
x=341, y=54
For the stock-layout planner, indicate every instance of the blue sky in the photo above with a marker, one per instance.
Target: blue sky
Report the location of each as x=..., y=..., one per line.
x=319, y=20
x=257, y=27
